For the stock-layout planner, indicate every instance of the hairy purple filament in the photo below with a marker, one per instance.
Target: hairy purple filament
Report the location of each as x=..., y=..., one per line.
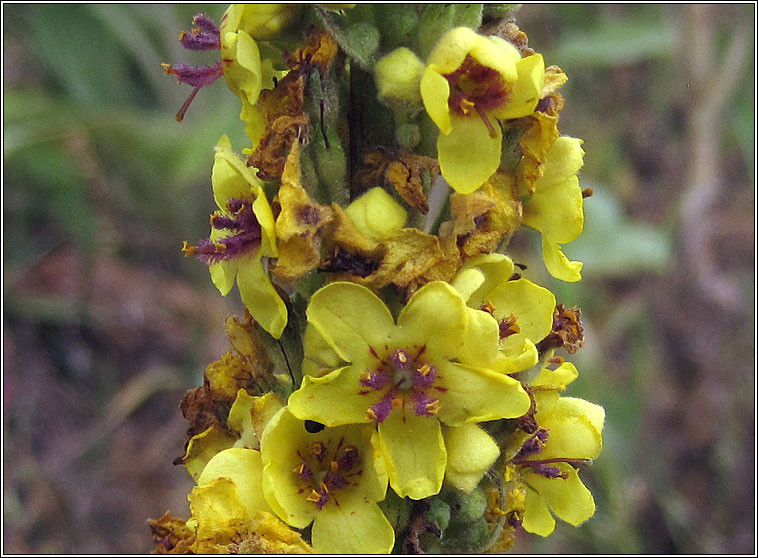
x=247, y=234
x=206, y=36
x=533, y=445
x=410, y=381
x=337, y=468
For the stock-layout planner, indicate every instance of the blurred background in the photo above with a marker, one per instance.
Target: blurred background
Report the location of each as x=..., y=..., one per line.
x=106, y=325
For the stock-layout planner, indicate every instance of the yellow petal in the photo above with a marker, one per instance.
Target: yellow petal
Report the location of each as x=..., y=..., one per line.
x=333, y=399
x=477, y=394
x=202, y=447
x=260, y=296
x=470, y=451
x=223, y=275
x=414, y=451
x=567, y=498
x=469, y=155
x=435, y=91
x=230, y=177
x=243, y=467
x=556, y=379
x=531, y=304
x=494, y=269
x=320, y=358
x=217, y=512
x=526, y=90
x=355, y=529
x=575, y=429
x=537, y=517
x=498, y=54
x=433, y=318
x=240, y=419
x=558, y=265
x=517, y=353
x=556, y=210
x=563, y=161
x=376, y=214
x=351, y=319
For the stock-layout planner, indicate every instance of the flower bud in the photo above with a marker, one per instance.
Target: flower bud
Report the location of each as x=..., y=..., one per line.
x=363, y=39
x=439, y=513
x=264, y=21
x=397, y=77
x=408, y=135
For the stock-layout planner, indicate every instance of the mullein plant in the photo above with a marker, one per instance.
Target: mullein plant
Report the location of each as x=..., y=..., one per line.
x=396, y=383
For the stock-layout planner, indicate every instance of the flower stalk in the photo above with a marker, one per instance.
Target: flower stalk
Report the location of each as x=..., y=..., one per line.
x=396, y=383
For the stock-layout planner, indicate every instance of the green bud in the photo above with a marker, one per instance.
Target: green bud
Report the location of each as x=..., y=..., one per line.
x=363, y=39
x=438, y=19
x=467, y=507
x=467, y=536
x=399, y=23
x=439, y=513
x=429, y=543
x=397, y=76
x=500, y=10
x=408, y=135
x=397, y=510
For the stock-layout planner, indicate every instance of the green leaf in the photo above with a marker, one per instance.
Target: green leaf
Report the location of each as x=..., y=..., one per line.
x=612, y=244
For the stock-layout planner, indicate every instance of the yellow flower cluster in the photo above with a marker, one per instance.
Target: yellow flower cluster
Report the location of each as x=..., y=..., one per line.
x=394, y=384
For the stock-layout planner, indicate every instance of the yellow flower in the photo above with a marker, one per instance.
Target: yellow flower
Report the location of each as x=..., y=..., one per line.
x=262, y=21
x=523, y=310
x=433, y=366
x=570, y=433
x=247, y=418
x=246, y=73
x=242, y=234
x=556, y=208
x=470, y=80
x=229, y=508
x=330, y=477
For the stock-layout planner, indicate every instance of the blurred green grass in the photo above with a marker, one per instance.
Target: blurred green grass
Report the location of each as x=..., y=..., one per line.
x=105, y=323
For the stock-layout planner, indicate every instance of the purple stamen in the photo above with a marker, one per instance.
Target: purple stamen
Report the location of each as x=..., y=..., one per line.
x=335, y=480
x=381, y=410
x=533, y=445
x=320, y=498
x=206, y=36
x=222, y=222
x=401, y=360
x=205, y=23
x=424, y=376
x=425, y=406
x=246, y=240
x=196, y=76
x=348, y=458
x=199, y=41
x=304, y=472
x=374, y=380
x=227, y=248
x=548, y=471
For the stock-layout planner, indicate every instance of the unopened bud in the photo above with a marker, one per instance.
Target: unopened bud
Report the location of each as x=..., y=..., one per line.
x=397, y=77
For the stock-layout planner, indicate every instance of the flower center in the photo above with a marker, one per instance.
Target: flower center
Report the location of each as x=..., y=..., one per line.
x=403, y=379
x=475, y=86
x=544, y=467
x=325, y=469
x=241, y=220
